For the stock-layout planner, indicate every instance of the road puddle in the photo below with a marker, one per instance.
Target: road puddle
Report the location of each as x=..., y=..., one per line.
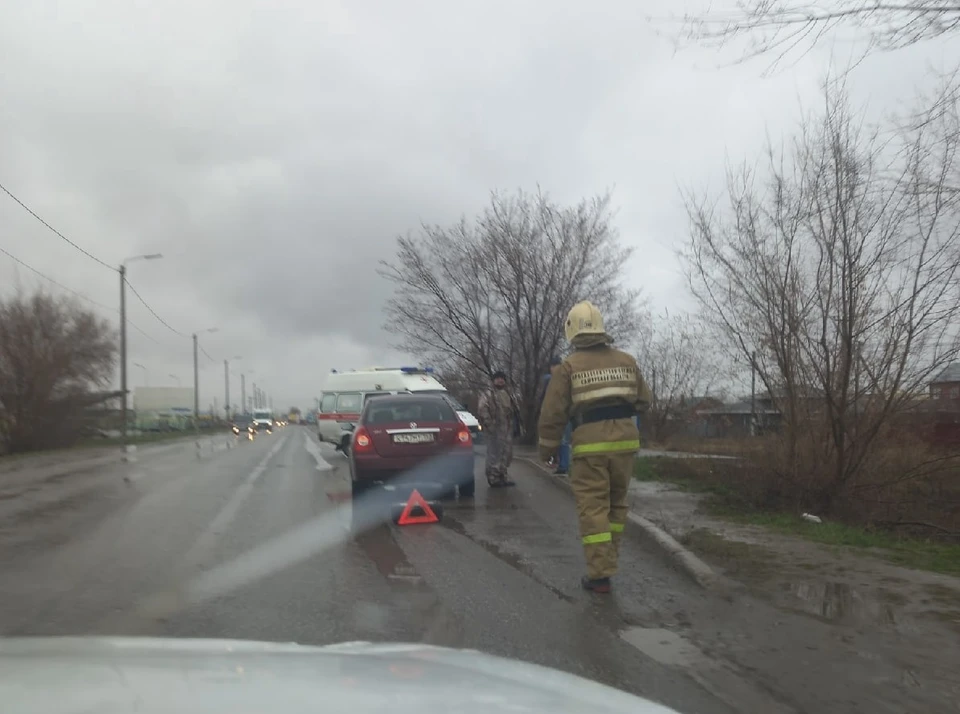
x=840, y=602
x=664, y=646
x=383, y=551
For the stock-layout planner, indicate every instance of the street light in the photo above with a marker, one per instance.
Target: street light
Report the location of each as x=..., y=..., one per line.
x=123, y=338
x=196, y=379
x=226, y=387
x=243, y=387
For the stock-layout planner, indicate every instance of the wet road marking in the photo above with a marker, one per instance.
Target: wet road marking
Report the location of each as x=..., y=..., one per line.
x=316, y=453
x=231, y=507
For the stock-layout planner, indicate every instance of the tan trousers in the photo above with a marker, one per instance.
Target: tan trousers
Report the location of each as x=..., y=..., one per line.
x=600, y=483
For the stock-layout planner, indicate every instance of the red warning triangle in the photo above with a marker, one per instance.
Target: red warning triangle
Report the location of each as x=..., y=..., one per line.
x=416, y=501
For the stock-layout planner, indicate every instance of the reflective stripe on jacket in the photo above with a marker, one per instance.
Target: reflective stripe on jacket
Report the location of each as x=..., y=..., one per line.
x=589, y=378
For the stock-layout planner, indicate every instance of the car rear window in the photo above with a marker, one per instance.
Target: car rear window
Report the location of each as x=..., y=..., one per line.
x=382, y=412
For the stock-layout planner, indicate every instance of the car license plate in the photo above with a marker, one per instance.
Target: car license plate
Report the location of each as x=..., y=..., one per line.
x=412, y=438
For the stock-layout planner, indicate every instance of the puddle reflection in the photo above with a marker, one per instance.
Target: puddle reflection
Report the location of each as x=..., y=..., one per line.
x=840, y=602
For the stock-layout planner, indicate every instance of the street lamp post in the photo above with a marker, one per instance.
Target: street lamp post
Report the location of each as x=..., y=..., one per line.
x=226, y=386
x=226, y=390
x=196, y=380
x=243, y=390
x=123, y=340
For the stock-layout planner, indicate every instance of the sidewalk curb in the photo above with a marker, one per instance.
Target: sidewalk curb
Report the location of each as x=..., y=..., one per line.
x=705, y=576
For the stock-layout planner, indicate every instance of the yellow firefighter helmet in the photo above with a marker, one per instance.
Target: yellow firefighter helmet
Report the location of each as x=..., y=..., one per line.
x=584, y=320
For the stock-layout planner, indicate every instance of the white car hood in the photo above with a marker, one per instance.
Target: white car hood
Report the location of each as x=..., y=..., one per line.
x=107, y=675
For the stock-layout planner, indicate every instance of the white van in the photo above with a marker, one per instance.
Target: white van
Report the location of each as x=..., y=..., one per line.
x=345, y=393
x=263, y=420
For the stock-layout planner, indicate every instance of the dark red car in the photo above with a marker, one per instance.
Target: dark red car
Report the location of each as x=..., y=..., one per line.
x=412, y=439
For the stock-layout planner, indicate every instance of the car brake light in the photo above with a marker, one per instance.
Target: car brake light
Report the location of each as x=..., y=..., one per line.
x=463, y=437
x=361, y=440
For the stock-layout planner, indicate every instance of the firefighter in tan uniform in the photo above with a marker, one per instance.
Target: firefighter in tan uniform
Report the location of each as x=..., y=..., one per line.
x=600, y=390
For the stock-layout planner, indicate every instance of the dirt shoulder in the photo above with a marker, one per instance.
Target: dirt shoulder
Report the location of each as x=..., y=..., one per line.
x=840, y=584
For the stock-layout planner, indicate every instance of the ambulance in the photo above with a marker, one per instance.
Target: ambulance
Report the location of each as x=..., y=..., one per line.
x=345, y=393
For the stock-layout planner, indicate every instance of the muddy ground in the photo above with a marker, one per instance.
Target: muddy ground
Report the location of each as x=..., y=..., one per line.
x=897, y=625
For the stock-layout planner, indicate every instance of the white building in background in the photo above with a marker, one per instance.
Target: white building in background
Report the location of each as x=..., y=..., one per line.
x=162, y=408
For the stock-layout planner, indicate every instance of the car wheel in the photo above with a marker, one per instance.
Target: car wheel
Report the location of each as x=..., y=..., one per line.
x=468, y=488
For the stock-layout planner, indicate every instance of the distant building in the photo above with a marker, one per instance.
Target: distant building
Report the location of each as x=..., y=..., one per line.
x=163, y=408
x=733, y=420
x=946, y=385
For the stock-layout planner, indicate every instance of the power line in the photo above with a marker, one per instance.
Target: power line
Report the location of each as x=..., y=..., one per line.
x=31, y=212
x=153, y=312
x=207, y=354
x=80, y=295
x=148, y=336
x=92, y=257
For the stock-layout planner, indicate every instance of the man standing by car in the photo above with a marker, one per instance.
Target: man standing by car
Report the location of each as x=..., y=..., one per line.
x=496, y=412
x=601, y=391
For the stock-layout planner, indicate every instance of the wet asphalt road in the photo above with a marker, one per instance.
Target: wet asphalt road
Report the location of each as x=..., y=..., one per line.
x=499, y=574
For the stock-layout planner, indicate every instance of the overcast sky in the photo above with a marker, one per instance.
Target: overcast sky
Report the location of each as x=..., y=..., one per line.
x=273, y=150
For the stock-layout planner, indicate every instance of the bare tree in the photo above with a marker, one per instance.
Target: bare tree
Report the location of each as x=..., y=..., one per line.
x=839, y=267
x=494, y=293
x=680, y=368
x=777, y=27
x=53, y=354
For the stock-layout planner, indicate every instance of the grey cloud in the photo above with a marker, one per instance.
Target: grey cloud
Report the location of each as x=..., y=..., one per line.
x=274, y=150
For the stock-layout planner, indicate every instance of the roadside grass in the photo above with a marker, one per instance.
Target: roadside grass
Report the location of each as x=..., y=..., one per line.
x=724, y=502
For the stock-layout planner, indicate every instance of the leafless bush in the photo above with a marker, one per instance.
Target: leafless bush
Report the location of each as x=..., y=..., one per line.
x=53, y=354
x=836, y=274
x=675, y=356
x=494, y=293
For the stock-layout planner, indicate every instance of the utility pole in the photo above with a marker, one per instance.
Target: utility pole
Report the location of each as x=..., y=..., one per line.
x=226, y=389
x=196, y=387
x=196, y=379
x=123, y=356
x=122, y=270
x=753, y=393
x=243, y=393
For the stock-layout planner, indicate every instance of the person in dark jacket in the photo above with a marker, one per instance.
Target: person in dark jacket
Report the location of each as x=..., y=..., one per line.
x=498, y=416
